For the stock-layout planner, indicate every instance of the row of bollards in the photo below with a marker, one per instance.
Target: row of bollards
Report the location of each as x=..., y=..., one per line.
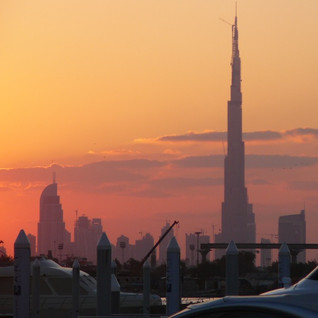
x=108, y=298
x=108, y=291
x=232, y=268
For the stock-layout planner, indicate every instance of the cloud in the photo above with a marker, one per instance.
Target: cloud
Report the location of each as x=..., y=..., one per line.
x=279, y=161
x=200, y=161
x=145, y=177
x=304, y=185
x=221, y=136
x=181, y=182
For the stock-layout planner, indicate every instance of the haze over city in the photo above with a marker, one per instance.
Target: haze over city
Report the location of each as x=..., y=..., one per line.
x=127, y=103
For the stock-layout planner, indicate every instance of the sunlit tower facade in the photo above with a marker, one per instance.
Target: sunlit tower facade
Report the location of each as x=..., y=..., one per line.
x=238, y=219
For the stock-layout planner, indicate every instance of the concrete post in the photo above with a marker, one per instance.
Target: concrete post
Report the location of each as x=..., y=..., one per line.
x=173, y=277
x=115, y=306
x=21, y=276
x=232, y=270
x=114, y=267
x=36, y=289
x=115, y=298
x=284, y=266
x=104, y=261
x=75, y=289
x=146, y=289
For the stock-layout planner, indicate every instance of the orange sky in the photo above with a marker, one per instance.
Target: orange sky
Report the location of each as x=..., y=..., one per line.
x=82, y=82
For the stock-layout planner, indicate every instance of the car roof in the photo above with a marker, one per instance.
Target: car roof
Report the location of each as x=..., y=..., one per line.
x=301, y=305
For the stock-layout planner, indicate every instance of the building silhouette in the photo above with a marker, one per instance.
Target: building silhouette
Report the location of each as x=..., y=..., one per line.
x=238, y=220
x=32, y=240
x=266, y=254
x=292, y=229
x=164, y=243
x=123, y=250
x=86, y=236
x=52, y=235
x=191, y=248
x=143, y=246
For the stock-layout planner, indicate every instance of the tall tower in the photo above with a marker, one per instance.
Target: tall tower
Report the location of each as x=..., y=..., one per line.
x=52, y=235
x=238, y=220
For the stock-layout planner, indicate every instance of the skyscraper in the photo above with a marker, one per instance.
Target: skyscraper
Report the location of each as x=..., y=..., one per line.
x=164, y=243
x=292, y=229
x=86, y=236
x=52, y=235
x=238, y=220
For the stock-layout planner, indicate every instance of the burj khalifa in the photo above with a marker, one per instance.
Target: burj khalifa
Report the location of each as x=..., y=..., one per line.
x=238, y=219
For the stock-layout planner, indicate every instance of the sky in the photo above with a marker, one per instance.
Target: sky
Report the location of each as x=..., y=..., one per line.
x=126, y=101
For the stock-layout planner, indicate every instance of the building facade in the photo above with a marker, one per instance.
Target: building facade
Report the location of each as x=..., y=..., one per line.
x=164, y=243
x=266, y=254
x=238, y=219
x=292, y=229
x=86, y=236
x=52, y=235
x=193, y=241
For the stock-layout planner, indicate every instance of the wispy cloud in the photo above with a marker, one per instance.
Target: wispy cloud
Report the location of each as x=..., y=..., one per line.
x=221, y=136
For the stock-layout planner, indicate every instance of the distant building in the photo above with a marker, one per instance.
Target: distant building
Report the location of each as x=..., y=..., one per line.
x=86, y=236
x=164, y=243
x=238, y=219
x=266, y=254
x=52, y=235
x=292, y=229
x=191, y=248
x=143, y=246
x=123, y=250
x=32, y=240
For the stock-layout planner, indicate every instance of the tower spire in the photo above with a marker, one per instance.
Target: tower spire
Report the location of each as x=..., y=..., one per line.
x=238, y=219
x=54, y=177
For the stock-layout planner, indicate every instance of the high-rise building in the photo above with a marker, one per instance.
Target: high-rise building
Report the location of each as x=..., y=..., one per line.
x=32, y=240
x=266, y=254
x=52, y=235
x=193, y=242
x=292, y=229
x=164, y=243
x=86, y=236
x=238, y=220
x=123, y=250
x=143, y=246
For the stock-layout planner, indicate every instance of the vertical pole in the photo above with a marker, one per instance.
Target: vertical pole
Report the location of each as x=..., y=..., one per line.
x=22, y=276
x=115, y=299
x=36, y=289
x=198, y=246
x=75, y=289
x=232, y=270
x=284, y=266
x=104, y=261
x=146, y=289
x=173, y=277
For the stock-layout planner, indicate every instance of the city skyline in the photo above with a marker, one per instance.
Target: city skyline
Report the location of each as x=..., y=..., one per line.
x=126, y=103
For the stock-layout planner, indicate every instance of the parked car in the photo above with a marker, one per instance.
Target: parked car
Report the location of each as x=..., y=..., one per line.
x=299, y=300
x=281, y=306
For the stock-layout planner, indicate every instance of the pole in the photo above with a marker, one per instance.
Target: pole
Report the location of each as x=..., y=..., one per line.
x=76, y=289
x=231, y=269
x=36, y=289
x=103, y=276
x=173, y=277
x=146, y=289
x=21, y=276
x=284, y=266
